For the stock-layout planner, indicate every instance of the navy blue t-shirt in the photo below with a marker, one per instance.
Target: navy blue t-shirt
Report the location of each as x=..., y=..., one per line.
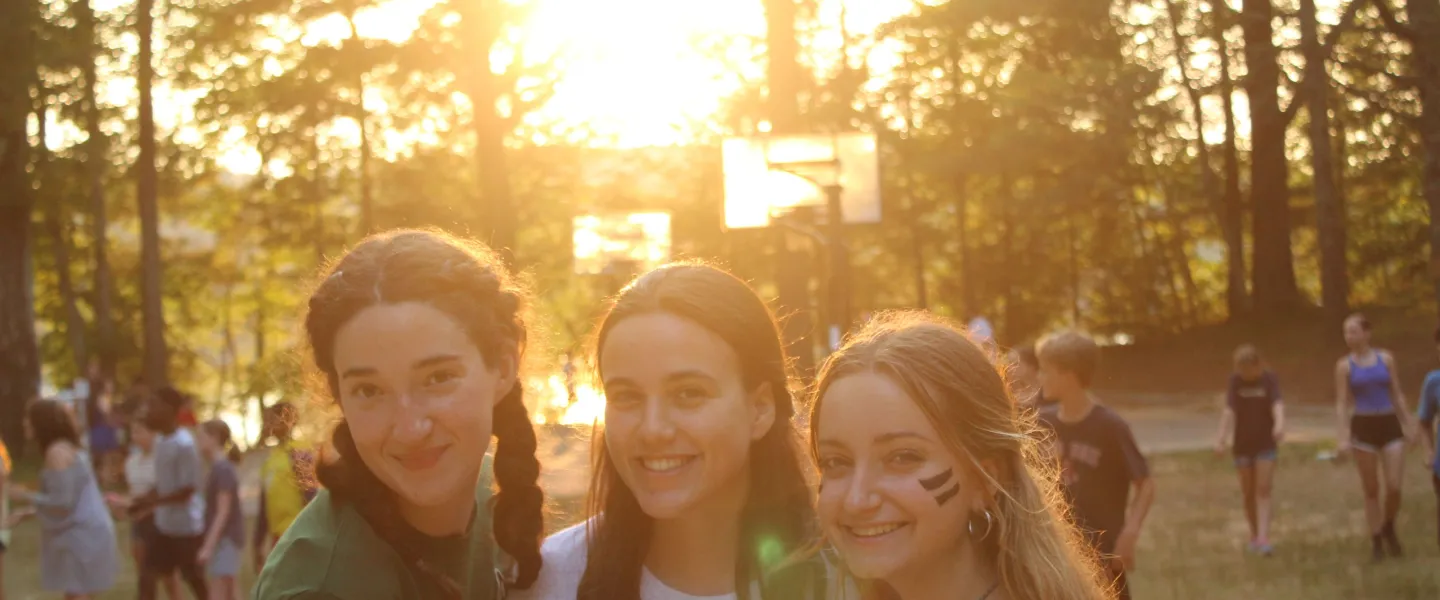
x=1253, y=403
x=1099, y=462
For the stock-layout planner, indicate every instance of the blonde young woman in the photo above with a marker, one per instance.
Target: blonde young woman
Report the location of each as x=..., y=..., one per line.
x=932, y=485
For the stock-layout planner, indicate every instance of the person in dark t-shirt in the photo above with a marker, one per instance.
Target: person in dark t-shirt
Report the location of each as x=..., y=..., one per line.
x=1100, y=462
x=1256, y=415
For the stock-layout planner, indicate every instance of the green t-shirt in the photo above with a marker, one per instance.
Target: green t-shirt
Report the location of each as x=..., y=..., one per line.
x=330, y=552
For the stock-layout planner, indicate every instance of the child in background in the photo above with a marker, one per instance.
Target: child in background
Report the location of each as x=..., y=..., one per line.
x=1253, y=423
x=224, y=524
x=1429, y=410
x=1025, y=379
x=1100, y=462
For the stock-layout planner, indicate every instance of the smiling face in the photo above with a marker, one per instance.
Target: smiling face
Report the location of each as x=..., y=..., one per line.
x=893, y=497
x=678, y=420
x=418, y=398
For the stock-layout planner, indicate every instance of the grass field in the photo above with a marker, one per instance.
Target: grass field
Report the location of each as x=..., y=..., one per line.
x=1191, y=548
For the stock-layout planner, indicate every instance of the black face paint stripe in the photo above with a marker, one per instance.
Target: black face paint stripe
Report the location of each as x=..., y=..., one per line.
x=947, y=495
x=933, y=483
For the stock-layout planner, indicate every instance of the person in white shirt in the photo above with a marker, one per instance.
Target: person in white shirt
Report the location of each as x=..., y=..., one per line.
x=139, y=481
x=699, y=489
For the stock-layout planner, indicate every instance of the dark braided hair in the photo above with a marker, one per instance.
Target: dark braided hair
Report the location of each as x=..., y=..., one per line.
x=777, y=518
x=469, y=283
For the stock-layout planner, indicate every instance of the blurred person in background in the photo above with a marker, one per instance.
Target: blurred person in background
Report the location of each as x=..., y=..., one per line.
x=285, y=482
x=1025, y=379
x=1252, y=424
x=78, y=557
x=1374, y=423
x=176, y=500
x=1105, y=477
x=139, y=475
x=4, y=512
x=224, y=524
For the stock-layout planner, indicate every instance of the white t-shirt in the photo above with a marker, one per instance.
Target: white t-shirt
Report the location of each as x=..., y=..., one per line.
x=140, y=472
x=565, y=553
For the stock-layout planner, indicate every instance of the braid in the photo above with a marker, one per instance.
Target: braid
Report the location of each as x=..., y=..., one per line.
x=351, y=482
x=517, y=507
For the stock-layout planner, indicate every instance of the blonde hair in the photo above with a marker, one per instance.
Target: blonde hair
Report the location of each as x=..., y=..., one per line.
x=1073, y=352
x=1036, y=553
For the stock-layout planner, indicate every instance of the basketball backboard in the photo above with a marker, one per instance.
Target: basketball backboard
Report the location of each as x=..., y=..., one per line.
x=766, y=175
x=620, y=243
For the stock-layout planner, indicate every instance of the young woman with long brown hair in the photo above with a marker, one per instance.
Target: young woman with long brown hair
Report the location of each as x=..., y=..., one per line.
x=419, y=336
x=698, y=490
x=932, y=485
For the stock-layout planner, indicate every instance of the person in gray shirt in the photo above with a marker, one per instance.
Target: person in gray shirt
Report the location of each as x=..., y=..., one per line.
x=179, y=507
x=78, y=556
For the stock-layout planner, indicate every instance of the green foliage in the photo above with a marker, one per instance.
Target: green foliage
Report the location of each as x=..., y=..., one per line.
x=1039, y=158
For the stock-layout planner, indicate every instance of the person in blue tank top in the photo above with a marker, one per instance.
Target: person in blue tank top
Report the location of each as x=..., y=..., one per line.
x=1374, y=423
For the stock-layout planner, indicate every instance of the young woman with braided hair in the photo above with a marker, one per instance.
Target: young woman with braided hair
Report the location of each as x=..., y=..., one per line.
x=932, y=482
x=419, y=336
x=698, y=490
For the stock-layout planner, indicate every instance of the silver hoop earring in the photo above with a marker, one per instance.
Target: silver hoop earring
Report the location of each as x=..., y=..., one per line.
x=989, y=524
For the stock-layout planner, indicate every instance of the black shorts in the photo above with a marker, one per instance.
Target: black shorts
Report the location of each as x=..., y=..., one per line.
x=1373, y=433
x=143, y=531
x=164, y=554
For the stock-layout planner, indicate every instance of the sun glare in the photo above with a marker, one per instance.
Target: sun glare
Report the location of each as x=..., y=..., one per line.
x=633, y=72
x=554, y=404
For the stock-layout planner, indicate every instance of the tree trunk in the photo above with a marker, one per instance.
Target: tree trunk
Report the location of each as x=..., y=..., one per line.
x=20, y=368
x=1208, y=185
x=969, y=299
x=257, y=368
x=1232, y=219
x=367, y=202
x=152, y=302
x=95, y=163
x=317, y=195
x=481, y=25
x=55, y=224
x=1329, y=220
x=1424, y=18
x=1274, y=275
x=1007, y=255
x=783, y=74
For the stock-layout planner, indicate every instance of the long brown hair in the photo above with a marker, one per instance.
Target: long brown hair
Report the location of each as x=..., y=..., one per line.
x=1036, y=555
x=51, y=422
x=777, y=517
x=469, y=283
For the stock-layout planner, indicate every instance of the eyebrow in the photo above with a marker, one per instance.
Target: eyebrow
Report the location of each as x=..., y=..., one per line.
x=897, y=435
x=426, y=362
x=434, y=360
x=691, y=374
